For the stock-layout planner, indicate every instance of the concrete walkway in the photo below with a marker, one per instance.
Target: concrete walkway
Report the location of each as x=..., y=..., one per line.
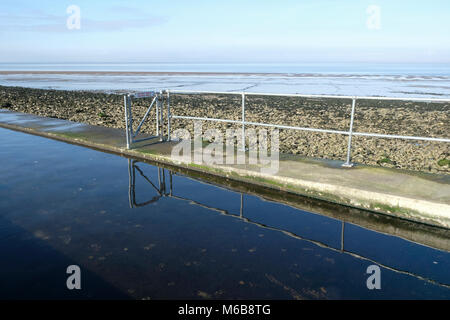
x=410, y=195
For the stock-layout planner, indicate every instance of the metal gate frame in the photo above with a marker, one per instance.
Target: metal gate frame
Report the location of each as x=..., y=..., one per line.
x=131, y=135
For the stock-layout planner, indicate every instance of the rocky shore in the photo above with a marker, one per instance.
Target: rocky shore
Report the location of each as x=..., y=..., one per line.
x=388, y=117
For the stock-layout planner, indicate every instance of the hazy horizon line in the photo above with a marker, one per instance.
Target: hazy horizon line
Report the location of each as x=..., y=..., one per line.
x=224, y=62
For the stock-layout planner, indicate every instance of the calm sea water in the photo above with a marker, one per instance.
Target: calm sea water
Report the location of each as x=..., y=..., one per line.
x=138, y=231
x=419, y=69
x=399, y=80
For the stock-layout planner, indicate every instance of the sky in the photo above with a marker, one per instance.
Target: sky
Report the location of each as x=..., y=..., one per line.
x=225, y=31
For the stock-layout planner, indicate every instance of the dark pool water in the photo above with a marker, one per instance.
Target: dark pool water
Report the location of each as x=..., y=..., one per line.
x=138, y=231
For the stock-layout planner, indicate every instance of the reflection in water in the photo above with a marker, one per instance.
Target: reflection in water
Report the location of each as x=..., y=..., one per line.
x=143, y=232
x=161, y=191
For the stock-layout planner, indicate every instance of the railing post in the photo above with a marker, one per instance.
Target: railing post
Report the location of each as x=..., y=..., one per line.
x=158, y=105
x=347, y=163
x=127, y=121
x=168, y=115
x=161, y=116
x=130, y=118
x=243, y=121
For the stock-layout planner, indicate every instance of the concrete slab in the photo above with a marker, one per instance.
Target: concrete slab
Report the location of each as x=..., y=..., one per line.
x=415, y=196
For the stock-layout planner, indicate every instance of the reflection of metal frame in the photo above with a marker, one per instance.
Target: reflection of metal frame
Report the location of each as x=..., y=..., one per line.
x=161, y=190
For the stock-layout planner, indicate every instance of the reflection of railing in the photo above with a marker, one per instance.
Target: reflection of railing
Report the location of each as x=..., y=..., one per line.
x=161, y=190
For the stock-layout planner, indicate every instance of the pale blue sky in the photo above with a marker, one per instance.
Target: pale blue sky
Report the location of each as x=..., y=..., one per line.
x=225, y=31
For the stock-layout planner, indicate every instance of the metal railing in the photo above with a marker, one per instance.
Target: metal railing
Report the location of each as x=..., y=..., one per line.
x=131, y=135
x=244, y=123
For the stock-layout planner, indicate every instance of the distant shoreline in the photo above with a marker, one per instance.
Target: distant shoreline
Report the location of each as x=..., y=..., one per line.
x=218, y=73
x=157, y=73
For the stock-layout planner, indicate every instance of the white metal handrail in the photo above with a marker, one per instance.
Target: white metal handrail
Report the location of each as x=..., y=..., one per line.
x=349, y=132
x=244, y=123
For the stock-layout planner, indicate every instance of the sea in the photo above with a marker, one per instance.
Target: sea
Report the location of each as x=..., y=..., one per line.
x=358, y=79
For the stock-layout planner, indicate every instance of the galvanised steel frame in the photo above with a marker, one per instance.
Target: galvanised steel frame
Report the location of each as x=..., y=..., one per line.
x=165, y=96
x=158, y=98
